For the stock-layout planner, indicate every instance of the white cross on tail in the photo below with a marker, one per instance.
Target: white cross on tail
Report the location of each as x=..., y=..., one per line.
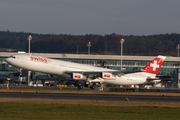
x=154, y=65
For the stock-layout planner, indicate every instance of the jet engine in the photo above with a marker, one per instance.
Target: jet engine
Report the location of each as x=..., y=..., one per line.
x=78, y=76
x=108, y=76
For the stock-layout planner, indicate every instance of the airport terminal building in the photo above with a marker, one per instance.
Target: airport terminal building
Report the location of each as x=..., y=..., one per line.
x=170, y=67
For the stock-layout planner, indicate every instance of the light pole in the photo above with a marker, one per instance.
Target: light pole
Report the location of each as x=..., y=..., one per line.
x=89, y=45
x=121, y=42
x=29, y=72
x=29, y=39
x=77, y=49
x=178, y=47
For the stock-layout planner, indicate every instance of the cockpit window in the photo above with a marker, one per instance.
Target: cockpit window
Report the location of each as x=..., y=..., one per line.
x=12, y=57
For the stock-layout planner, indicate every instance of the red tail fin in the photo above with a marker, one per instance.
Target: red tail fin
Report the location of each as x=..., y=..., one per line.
x=154, y=66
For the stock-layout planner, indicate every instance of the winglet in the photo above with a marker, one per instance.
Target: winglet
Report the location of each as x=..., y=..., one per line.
x=154, y=66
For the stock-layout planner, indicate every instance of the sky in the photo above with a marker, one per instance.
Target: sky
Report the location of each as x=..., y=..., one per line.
x=100, y=17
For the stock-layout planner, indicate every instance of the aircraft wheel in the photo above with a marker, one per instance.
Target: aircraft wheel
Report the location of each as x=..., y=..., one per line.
x=92, y=87
x=80, y=87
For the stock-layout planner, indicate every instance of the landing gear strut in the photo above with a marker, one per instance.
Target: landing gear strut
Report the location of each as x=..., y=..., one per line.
x=80, y=86
x=92, y=87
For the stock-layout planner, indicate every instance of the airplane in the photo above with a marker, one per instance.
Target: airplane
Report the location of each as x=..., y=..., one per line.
x=87, y=73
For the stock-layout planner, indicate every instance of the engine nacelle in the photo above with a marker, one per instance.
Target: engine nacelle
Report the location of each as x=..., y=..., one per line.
x=78, y=76
x=156, y=81
x=108, y=76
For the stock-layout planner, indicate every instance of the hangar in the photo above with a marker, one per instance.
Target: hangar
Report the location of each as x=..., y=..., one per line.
x=170, y=67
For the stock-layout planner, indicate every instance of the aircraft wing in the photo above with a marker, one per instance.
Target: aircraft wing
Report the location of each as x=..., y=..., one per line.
x=83, y=75
x=115, y=72
x=165, y=78
x=161, y=78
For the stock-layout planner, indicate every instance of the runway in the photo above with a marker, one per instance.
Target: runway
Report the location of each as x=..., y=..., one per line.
x=104, y=97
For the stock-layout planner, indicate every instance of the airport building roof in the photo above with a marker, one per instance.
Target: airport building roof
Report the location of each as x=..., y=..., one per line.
x=86, y=56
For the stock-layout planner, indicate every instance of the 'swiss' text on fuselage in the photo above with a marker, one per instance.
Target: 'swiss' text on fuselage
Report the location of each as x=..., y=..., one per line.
x=38, y=59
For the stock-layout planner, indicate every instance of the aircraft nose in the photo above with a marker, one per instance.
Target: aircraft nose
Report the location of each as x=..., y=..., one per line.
x=7, y=60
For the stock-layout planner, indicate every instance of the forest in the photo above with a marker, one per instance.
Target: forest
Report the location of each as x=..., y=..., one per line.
x=109, y=44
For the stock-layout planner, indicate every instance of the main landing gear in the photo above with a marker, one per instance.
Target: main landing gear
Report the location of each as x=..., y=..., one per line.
x=80, y=85
x=90, y=85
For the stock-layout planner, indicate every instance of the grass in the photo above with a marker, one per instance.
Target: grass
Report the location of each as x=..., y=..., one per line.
x=34, y=109
x=53, y=109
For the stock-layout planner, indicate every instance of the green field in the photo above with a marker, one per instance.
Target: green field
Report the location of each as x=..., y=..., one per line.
x=47, y=109
x=52, y=109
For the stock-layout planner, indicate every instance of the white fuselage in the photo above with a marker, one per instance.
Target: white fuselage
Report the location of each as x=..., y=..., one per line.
x=59, y=67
